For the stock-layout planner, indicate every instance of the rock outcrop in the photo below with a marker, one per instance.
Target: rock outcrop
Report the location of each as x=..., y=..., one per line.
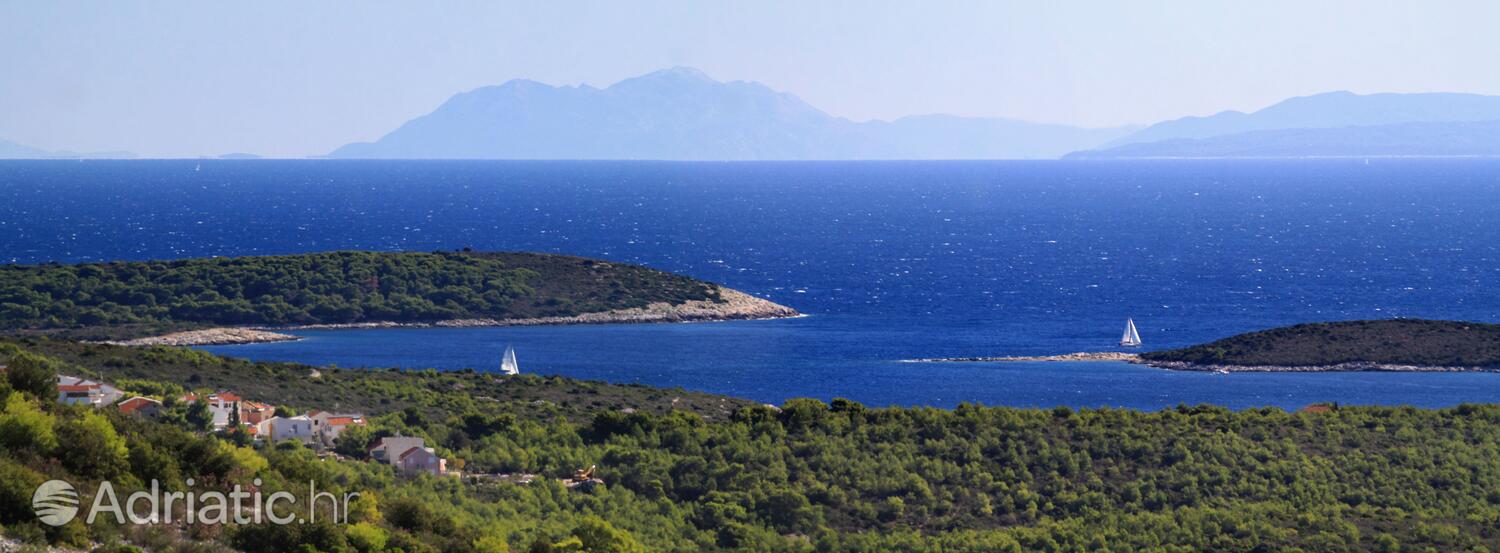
x=209, y=337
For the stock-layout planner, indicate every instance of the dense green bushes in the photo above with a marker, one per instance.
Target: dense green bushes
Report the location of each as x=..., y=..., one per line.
x=811, y=477
x=337, y=287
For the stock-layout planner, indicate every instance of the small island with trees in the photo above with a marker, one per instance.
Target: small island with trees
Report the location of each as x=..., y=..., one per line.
x=1383, y=345
x=196, y=298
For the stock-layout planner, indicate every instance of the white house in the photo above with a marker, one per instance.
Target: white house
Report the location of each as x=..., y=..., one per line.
x=220, y=405
x=72, y=390
x=278, y=429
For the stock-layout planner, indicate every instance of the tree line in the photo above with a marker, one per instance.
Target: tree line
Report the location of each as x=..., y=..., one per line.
x=324, y=288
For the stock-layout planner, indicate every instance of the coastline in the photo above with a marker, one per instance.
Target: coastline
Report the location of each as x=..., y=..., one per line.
x=737, y=306
x=1078, y=356
x=1339, y=367
x=219, y=336
x=1198, y=367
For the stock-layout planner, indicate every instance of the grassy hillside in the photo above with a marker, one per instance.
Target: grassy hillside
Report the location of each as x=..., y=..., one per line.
x=811, y=477
x=111, y=299
x=1395, y=341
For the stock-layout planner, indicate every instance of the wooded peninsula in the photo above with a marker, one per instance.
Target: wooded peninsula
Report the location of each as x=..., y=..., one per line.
x=1391, y=344
x=100, y=301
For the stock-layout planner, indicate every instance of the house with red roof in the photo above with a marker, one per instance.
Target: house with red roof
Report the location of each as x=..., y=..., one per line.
x=72, y=390
x=143, y=406
x=418, y=460
x=409, y=455
x=328, y=426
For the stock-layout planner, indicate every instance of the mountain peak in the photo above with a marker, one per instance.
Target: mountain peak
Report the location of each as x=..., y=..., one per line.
x=679, y=72
x=675, y=76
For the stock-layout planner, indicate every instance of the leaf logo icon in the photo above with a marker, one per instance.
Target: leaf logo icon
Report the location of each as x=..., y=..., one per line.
x=55, y=502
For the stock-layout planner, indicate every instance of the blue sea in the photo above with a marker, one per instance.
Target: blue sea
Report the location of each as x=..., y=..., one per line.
x=890, y=260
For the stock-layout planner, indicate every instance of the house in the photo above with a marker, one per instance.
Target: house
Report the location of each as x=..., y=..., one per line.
x=409, y=455
x=254, y=412
x=328, y=426
x=277, y=429
x=72, y=390
x=220, y=405
x=79, y=394
x=389, y=449
x=143, y=406
x=422, y=459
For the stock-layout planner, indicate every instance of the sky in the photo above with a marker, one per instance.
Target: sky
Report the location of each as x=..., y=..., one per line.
x=297, y=78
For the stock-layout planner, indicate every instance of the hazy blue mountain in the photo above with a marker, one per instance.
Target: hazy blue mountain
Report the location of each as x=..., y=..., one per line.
x=1328, y=110
x=11, y=150
x=1400, y=139
x=682, y=114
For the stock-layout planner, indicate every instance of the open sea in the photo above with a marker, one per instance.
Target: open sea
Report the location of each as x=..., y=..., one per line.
x=891, y=260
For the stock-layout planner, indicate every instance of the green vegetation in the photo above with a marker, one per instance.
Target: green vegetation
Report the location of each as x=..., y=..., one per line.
x=110, y=299
x=162, y=371
x=812, y=477
x=1394, y=342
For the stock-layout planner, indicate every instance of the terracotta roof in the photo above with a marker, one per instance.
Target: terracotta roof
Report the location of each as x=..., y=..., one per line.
x=76, y=387
x=344, y=421
x=135, y=403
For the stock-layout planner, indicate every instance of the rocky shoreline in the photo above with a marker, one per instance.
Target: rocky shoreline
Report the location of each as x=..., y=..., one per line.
x=736, y=306
x=1198, y=367
x=1079, y=356
x=209, y=337
x=1340, y=367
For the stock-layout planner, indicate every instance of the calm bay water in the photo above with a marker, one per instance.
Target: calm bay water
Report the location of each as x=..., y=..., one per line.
x=892, y=260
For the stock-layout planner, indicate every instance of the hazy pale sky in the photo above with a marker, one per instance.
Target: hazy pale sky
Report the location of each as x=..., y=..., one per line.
x=299, y=78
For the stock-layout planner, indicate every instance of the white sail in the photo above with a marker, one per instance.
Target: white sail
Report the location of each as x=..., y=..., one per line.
x=1131, y=337
x=508, y=363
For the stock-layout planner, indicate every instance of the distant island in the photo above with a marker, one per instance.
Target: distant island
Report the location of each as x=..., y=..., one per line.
x=683, y=114
x=1414, y=345
x=190, y=300
x=12, y=150
x=1439, y=139
x=1379, y=345
x=1333, y=124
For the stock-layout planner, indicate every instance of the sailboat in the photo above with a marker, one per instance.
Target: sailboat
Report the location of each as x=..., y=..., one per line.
x=508, y=363
x=1131, y=339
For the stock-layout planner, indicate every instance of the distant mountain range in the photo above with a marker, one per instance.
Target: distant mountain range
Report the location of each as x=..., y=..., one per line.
x=1427, y=139
x=682, y=114
x=1331, y=124
x=11, y=150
